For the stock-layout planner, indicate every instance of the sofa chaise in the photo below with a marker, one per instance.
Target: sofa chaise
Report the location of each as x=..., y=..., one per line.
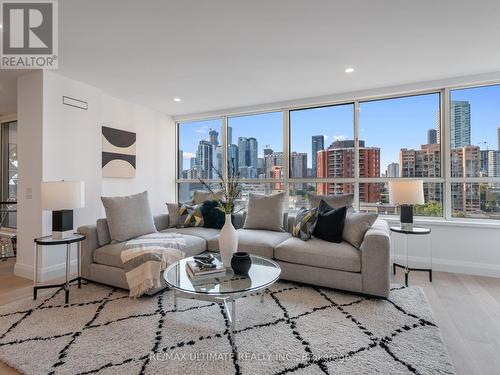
x=340, y=266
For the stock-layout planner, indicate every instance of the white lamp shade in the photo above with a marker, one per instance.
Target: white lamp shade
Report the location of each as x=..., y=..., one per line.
x=62, y=195
x=406, y=192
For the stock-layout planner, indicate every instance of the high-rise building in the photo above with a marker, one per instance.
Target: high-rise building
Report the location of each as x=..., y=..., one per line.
x=465, y=162
x=277, y=172
x=192, y=162
x=392, y=170
x=261, y=168
x=493, y=163
x=243, y=152
x=272, y=160
x=232, y=156
x=214, y=137
x=432, y=136
x=267, y=151
x=484, y=165
x=229, y=135
x=338, y=162
x=204, y=159
x=253, y=149
x=218, y=158
x=422, y=163
x=498, y=138
x=298, y=166
x=460, y=124
x=318, y=144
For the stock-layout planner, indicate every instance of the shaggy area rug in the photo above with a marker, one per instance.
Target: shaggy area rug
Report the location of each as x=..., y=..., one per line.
x=298, y=329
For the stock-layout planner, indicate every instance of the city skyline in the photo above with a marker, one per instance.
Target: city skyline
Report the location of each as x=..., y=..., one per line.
x=484, y=122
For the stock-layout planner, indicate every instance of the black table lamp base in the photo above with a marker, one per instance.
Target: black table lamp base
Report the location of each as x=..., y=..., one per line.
x=62, y=224
x=406, y=215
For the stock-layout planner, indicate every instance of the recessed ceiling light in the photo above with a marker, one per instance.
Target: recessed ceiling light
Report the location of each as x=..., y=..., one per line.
x=177, y=100
x=1, y=26
x=349, y=70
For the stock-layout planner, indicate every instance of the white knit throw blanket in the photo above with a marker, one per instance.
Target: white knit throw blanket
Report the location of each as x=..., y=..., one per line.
x=145, y=257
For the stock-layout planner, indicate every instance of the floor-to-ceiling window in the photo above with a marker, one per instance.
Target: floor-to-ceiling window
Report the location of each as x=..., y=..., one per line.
x=321, y=147
x=200, y=155
x=475, y=152
x=358, y=147
x=255, y=151
x=400, y=138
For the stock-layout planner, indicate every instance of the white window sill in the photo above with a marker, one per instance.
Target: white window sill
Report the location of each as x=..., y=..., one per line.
x=464, y=223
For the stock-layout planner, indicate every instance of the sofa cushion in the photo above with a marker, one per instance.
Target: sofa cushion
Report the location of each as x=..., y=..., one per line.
x=356, y=225
x=202, y=232
x=201, y=196
x=190, y=216
x=318, y=253
x=335, y=201
x=109, y=255
x=103, y=236
x=128, y=217
x=330, y=222
x=265, y=212
x=260, y=242
x=213, y=217
x=304, y=223
x=173, y=214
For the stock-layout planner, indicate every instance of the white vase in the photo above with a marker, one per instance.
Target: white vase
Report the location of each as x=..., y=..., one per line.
x=228, y=241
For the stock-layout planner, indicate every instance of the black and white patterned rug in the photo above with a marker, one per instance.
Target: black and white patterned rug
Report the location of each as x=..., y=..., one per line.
x=298, y=329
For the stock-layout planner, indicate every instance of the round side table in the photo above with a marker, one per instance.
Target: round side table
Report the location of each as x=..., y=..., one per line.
x=50, y=241
x=407, y=231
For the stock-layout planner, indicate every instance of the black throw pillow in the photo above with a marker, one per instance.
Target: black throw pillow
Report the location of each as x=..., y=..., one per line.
x=212, y=216
x=330, y=224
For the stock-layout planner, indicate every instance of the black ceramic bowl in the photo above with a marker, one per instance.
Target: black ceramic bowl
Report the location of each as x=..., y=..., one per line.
x=241, y=263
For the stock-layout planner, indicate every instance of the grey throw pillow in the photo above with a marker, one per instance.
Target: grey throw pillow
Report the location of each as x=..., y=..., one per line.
x=265, y=212
x=103, y=236
x=334, y=201
x=128, y=217
x=203, y=196
x=173, y=214
x=356, y=225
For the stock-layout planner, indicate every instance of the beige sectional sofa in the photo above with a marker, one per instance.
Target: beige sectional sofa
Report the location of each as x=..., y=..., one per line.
x=341, y=266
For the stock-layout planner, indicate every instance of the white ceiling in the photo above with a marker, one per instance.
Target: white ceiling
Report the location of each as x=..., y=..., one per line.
x=230, y=53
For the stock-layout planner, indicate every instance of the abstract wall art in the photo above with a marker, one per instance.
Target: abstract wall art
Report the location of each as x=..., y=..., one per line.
x=118, y=153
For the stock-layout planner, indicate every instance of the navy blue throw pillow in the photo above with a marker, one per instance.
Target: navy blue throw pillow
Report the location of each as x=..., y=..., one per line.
x=212, y=216
x=330, y=224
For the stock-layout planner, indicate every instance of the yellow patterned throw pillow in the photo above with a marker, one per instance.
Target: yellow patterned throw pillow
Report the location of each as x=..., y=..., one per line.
x=190, y=216
x=305, y=222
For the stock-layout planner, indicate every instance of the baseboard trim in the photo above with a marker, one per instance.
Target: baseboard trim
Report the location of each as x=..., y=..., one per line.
x=454, y=266
x=56, y=271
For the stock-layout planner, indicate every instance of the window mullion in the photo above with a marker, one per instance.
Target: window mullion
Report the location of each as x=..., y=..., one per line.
x=356, y=155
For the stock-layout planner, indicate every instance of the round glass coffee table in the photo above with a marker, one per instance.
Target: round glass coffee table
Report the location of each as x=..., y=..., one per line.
x=224, y=289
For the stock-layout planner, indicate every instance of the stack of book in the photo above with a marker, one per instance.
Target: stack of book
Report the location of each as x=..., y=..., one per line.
x=197, y=273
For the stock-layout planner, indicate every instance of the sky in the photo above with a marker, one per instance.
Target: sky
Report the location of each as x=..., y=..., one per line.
x=389, y=124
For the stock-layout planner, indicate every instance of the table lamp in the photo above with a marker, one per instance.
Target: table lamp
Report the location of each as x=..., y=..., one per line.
x=61, y=197
x=405, y=194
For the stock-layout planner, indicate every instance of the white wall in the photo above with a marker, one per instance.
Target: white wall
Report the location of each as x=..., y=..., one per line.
x=29, y=129
x=155, y=151
x=67, y=146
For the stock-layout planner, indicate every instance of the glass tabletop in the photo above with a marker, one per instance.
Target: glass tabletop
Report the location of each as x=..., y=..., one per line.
x=410, y=229
x=50, y=240
x=263, y=273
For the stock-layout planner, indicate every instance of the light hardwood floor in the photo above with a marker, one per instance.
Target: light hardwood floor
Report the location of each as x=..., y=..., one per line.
x=467, y=310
